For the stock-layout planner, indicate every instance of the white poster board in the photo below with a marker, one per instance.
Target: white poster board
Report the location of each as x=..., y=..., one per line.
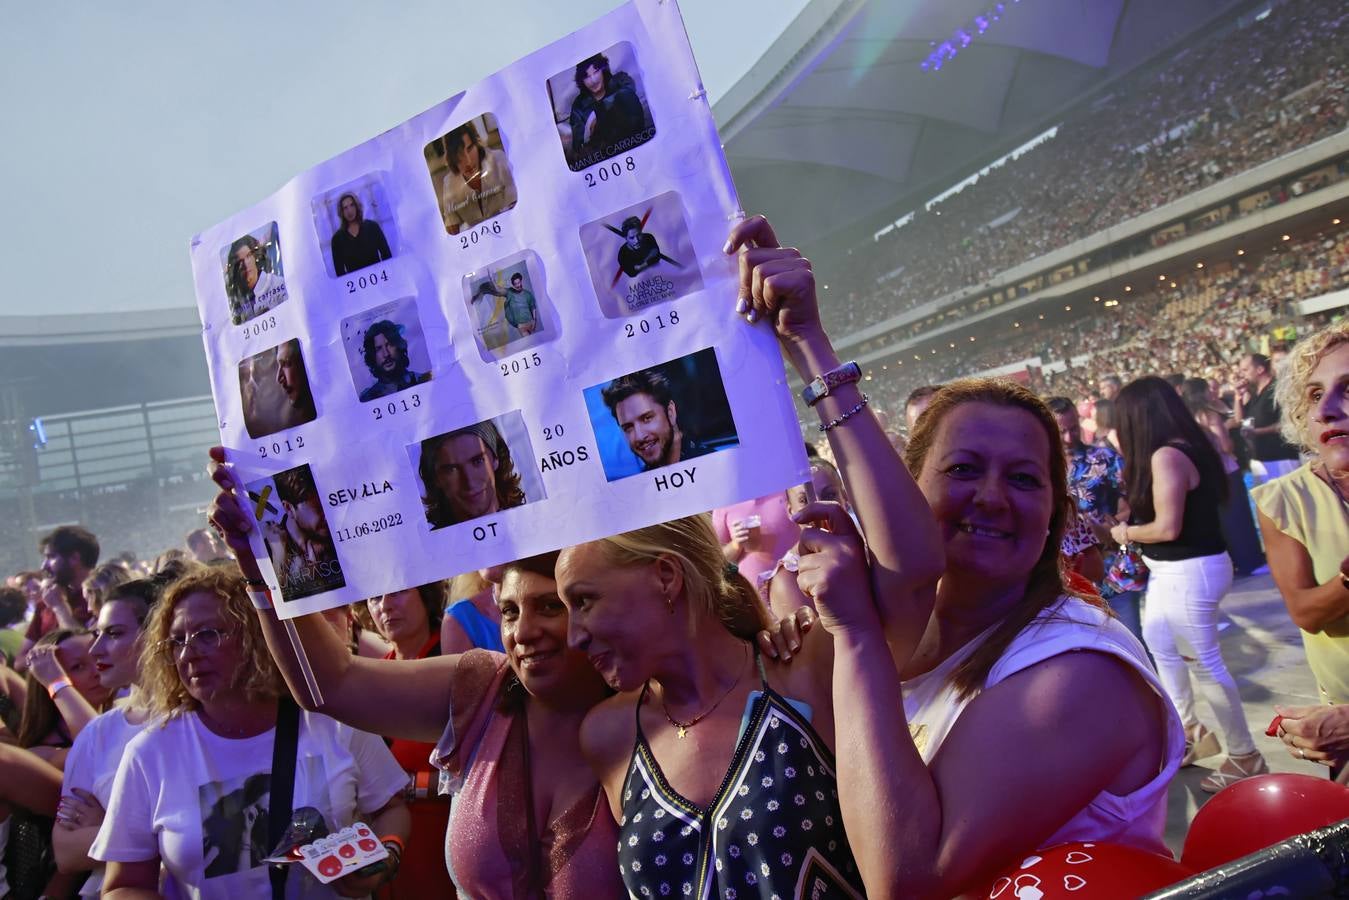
x=503, y=327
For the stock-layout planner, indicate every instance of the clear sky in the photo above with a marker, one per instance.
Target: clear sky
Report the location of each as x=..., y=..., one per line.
x=129, y=127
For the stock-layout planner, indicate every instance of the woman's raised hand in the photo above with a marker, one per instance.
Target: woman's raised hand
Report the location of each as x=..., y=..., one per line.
x=228, y=513
x=833, y=570
x=776, y=283
x=44, y=665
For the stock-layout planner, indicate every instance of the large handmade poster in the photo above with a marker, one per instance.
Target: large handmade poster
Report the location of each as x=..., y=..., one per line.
x=500, y=328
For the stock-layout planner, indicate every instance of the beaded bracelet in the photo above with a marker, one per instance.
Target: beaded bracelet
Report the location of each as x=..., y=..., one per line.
x=846, y=416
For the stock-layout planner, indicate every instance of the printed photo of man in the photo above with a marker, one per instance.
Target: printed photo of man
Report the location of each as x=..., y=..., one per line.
x=294, y=383
x=468, y=473
x=296, y=533
x=639, y=251
x=522, y=312
x=644, y=408
x=386, y=355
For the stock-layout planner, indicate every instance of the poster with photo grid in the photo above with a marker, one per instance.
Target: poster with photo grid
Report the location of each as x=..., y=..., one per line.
x=502, y=327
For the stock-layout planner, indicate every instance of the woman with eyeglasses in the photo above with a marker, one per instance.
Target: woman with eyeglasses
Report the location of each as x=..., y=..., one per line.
x=194, y=790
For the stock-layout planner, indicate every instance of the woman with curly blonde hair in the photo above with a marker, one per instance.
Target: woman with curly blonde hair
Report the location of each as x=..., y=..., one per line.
x=193, y=789
x=1304, y=517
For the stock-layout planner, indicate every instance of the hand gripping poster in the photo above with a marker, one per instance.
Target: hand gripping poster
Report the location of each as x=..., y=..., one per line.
x=502, y=327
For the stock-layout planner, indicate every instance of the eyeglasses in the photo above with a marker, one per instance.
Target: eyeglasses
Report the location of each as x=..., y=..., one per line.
x=206, y=640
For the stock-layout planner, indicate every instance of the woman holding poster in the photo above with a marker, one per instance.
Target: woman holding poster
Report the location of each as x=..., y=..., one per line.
x=963, y=612
x=531, y=817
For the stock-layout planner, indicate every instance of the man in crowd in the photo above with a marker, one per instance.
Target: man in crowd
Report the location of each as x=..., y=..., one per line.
x=386, y=355
x=205, y=546
x=1109, y=387
x=1271, y=455
x=69, y=553
x=644, y=408
x=917, y=401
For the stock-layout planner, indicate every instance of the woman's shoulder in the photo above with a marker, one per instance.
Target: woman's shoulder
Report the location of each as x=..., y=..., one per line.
x=610, y=728
x=1069, y=624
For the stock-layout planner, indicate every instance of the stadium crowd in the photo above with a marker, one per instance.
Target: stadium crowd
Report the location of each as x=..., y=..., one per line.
x=707, y=706
x=1207, y=120
x=147, y=700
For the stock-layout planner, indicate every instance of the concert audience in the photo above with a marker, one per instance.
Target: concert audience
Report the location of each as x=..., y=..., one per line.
x=1210, y=120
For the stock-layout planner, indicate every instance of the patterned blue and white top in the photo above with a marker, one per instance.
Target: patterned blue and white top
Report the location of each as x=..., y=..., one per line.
x=772, y=831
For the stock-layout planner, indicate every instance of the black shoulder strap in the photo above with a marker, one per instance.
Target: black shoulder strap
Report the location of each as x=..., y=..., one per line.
x=283, y=785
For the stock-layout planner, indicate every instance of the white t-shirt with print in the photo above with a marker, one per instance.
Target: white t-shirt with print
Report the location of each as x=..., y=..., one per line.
x=198, y=801
x=92, y=765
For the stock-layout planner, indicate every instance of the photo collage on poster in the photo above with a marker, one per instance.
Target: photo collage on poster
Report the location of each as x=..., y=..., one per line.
x=463, y=467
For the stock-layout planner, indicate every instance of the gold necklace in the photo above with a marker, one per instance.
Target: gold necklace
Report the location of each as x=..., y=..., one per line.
x=685, y=726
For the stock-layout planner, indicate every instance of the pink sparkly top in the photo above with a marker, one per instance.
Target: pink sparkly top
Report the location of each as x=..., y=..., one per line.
x=489, y=848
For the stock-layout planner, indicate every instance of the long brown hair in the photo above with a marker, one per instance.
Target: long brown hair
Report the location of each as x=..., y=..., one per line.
x=1045, y=583
x=1152, y=416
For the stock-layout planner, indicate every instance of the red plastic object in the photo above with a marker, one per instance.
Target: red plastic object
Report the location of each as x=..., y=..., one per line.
x=1096, y=870
x=1256, y=812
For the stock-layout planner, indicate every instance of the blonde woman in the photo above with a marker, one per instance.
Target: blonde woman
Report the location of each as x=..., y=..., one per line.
x=193, y=790
x=1304, y=518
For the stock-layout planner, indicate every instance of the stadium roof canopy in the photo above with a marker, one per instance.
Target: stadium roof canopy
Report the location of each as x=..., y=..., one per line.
x=837, y=123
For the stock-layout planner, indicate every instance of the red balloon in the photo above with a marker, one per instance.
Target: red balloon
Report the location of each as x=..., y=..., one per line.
x=1096, y=870
x=1256, y=812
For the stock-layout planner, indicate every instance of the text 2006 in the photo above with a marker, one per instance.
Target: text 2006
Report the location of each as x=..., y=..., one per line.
x=655, y=323
x=361, y=282
x=468, y=238
x=395, y=406
x=276, y=448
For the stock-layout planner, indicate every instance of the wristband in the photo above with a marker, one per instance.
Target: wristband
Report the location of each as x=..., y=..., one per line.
x=261, y=599
x=848, y=373
x=394, y=844
x=57, y=686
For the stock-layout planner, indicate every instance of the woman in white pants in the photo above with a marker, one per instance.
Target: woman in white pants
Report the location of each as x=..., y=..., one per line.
x=1176, y=489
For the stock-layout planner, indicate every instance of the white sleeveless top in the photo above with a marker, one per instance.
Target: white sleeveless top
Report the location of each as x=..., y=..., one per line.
x=1137, y=819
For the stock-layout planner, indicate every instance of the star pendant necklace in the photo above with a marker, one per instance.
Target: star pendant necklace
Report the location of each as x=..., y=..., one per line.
x=685, y=726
